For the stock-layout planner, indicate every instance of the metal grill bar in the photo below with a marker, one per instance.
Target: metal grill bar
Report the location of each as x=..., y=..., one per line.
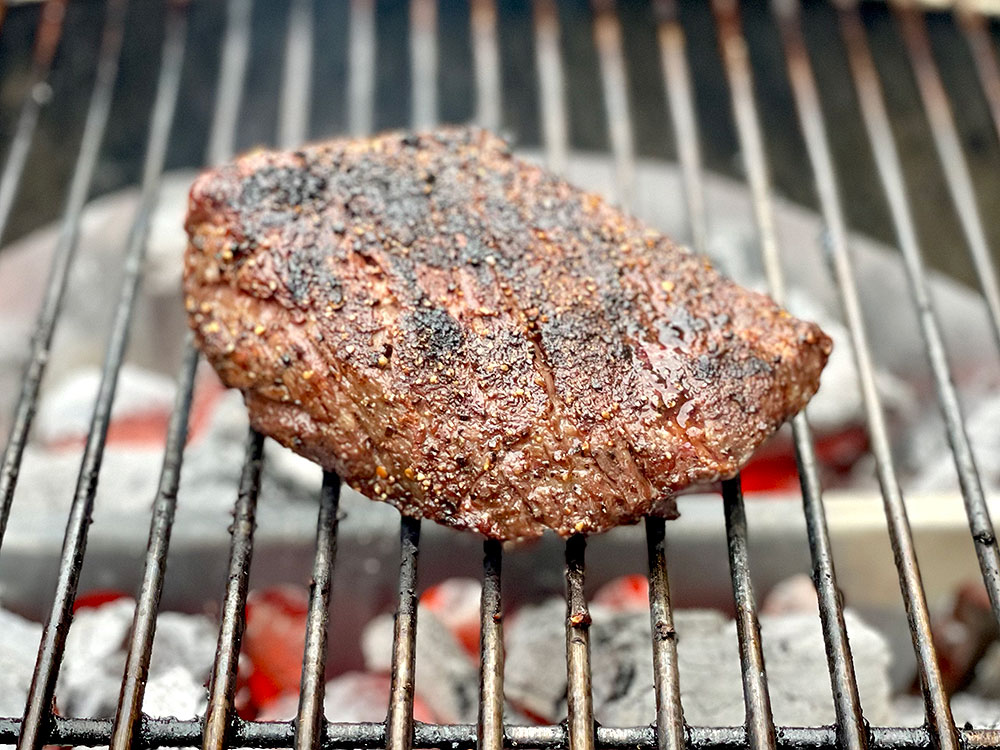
x=579, y=698
x=46, y=42
x=759, y=719
x=128, y=714
x=850, y=721
x=371, y=736
x=219, y=718
x=399, y=722
x=960, y=184
x=843, y=681
x=669, y=713
x=222, y=687
x=551, y=85
x=883, y=145
x=614, y=84
x=490, y=729
x=39, y=703
x=55, y=288
x=309, y=724
x=293, y=124
x=361, y=71
x=486, y=57
x=424, y=63
x=677, y=77
x=976, y=30
x=53, y=639
x=950, y=153
x=232, y=75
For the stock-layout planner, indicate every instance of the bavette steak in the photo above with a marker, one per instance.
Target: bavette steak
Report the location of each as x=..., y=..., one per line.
x=468, y=337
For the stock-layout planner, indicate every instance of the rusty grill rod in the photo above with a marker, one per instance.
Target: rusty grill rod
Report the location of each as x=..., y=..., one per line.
x=219, y=717
x=960, y=184
x=232, y=78
x=128, y=716
x=46, y=41
x=850, y=723
x=666, y=675
x=869, y=92
x=128, y=713
x=293, y=121
x=399, y=721
x=669, y=713
x=486, y=60
x=759, y=718
x=677, y=78
x=579, y=697
x=490, y=728
x=975, y=27
x=850, y=720
x=169, y=732
x=952, y=157
x=65, y=251
x=614, y=84
x=361, y=67
x=53, y=640
x=310, y=720
x=424, y=64
x=551, y=85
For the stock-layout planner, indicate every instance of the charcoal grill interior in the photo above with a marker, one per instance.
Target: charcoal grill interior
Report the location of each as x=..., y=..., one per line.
x=353, y=86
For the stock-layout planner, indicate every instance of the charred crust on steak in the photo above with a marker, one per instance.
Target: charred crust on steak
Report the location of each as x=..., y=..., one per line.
x=468, y=337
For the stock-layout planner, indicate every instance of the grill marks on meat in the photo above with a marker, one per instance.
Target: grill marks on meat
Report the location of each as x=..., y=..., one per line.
x=473, y=340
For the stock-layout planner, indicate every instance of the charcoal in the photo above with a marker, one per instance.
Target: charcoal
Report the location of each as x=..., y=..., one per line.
x=446, y=678
x=350, y=697
x=711, y=686
x=90, y=677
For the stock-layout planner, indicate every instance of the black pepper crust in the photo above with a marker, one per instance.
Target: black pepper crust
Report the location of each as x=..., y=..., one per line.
x=473, y=340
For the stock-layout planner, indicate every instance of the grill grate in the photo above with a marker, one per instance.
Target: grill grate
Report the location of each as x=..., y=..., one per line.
x=221, y=728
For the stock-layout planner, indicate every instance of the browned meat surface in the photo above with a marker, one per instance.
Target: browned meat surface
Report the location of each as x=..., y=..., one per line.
x=468, y=337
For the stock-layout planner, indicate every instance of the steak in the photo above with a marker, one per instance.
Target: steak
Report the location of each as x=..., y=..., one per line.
x=468, y=337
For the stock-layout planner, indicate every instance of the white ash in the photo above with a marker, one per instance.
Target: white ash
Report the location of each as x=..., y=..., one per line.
x=130, y=472
x=94, y=661
x=67, y=408
x=838, y=401
x=446, y=679
x=969, y=710
x=931, y=458
x=18, y=648
x=986, y=682
x=91, y=674
x=796, y=594
x=711, y=686
x=350, y=697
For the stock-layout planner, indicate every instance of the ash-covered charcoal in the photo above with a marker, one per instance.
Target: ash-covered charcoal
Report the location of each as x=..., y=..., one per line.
x=18, y=648
x=93, y=663
x=353, y=696
x=711, y=686
x=141, y=396
x=469, y=338
x=455, y=602
x=91, y=673
x=446, y=678
x=929, y=456
x=968, y=710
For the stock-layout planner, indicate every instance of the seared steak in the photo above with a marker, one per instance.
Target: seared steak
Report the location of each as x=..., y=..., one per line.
x=468, y=337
